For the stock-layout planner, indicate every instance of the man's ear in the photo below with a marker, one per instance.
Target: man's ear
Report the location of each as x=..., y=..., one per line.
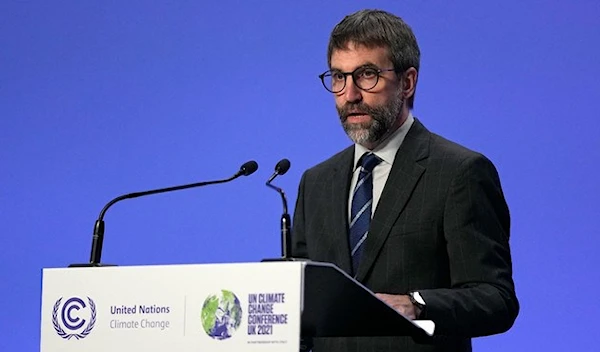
x=409, y=82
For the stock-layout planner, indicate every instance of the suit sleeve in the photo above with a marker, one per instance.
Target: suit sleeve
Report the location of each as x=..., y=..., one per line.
x=481, y=299
x=299, y=249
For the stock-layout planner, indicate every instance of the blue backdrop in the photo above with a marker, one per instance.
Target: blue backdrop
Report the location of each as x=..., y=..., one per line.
x=99, y=98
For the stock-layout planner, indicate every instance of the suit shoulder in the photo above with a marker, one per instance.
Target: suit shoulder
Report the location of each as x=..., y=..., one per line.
x=334, y=162
x=448, y=150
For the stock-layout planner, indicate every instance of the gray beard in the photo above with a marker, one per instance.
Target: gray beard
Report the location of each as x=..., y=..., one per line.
x=382, y=120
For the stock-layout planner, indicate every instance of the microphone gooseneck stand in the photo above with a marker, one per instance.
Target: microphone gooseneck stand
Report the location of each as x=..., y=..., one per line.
x=246, y=169
x=286, y=233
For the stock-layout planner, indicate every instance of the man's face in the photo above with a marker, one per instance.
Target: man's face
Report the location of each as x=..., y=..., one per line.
x=368, y=116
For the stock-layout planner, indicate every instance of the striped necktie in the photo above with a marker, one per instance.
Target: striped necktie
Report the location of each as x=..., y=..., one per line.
x=362, y=200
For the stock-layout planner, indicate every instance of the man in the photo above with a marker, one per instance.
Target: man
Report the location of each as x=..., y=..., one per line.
x=417, y=219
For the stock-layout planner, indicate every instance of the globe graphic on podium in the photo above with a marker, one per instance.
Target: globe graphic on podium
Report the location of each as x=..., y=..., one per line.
x=221, y=315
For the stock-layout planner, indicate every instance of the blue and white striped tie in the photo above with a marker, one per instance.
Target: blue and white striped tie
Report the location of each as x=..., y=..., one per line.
x=362, y=200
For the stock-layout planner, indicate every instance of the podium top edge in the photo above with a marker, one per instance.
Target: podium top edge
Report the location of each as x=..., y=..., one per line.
x=186, y=265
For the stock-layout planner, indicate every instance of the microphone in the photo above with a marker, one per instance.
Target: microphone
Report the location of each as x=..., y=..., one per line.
x=280, y=169
x=248, y=168
x=286, y=241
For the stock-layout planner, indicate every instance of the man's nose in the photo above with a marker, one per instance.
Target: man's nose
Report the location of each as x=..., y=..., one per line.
x=352, y=93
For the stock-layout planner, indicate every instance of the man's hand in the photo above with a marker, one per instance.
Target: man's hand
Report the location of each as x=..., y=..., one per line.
x=401, y=303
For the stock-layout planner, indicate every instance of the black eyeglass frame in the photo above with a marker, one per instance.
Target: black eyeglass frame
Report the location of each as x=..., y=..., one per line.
x=329, y=73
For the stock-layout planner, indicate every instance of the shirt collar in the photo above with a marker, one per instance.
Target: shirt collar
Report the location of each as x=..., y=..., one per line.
x=386, y=150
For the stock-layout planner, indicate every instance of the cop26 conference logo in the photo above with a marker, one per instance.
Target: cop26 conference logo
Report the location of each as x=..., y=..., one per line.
x=74, y=316
x=221, y=315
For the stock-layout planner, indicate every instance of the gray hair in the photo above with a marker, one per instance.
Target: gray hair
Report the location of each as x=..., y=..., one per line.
x=376, y=28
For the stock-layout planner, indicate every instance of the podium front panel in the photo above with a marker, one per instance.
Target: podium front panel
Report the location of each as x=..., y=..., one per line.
x=220, y=307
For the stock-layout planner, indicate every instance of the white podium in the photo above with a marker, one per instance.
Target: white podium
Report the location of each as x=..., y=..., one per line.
x=224, y=307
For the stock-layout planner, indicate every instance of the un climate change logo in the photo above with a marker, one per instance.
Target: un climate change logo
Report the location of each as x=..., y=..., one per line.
x=221, y=315
x=70, y=317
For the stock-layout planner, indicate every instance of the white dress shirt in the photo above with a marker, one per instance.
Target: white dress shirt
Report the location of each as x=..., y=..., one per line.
x=386, y=151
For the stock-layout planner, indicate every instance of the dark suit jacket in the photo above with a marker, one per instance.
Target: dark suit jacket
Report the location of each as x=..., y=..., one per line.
x=441, y=227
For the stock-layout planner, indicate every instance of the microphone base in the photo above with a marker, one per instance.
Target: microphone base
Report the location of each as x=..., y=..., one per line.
x=90, y=265
x=284, y=259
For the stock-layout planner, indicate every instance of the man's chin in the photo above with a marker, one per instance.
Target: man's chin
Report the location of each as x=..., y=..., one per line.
x=357, y=126
x=359, y=135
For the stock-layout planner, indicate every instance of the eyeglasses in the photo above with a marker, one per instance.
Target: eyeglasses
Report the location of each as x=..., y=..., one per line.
x=365, y=78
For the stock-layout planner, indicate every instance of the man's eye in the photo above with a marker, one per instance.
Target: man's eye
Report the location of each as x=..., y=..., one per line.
x=337, y=76
x=368, y=73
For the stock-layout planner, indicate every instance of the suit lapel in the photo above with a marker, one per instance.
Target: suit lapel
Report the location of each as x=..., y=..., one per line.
x=339, y=184
x=403, y=178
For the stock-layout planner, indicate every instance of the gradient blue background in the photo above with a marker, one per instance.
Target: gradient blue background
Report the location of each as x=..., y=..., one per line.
x=100, y=98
